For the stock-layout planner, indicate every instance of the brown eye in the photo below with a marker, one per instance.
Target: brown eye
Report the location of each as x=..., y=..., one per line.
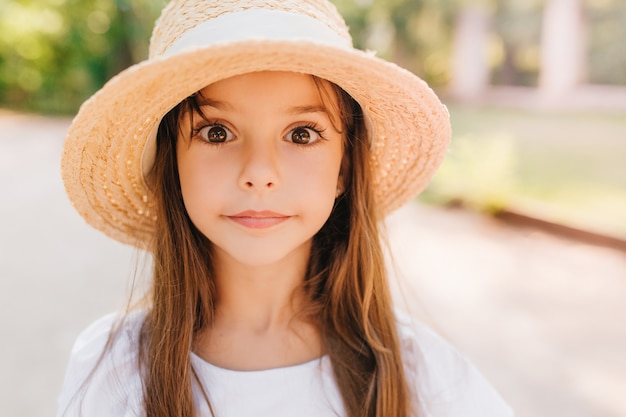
x=304, y=135
x=300, y=135
x=216, y=134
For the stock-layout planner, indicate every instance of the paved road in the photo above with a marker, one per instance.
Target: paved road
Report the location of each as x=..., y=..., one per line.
x=542, y=317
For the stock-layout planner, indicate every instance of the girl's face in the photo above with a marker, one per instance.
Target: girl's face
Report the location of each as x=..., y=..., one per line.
x=260, y=168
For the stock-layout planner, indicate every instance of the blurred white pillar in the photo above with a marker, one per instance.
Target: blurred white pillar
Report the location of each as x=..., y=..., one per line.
x=470, y=66
x=563, y=47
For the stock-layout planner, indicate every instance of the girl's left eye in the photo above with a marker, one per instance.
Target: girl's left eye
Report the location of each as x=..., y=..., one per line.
x=303, y=135
x=216, y=134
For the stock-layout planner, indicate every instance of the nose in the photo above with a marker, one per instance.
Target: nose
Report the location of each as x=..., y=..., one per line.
x=260, y=170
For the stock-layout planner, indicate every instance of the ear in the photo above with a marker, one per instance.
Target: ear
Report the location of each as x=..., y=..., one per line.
x=339, y=189
x=344, y=169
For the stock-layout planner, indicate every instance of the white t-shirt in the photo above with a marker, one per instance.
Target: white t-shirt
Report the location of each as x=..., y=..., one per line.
x=443, y=381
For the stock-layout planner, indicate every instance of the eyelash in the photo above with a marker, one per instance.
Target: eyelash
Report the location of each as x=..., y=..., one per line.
x=195, y=131
x=314, y=127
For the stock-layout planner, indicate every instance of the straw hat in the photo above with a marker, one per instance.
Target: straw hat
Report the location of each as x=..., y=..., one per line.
x=110, y=145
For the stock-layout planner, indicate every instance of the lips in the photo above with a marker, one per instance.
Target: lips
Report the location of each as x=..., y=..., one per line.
x=258, y=219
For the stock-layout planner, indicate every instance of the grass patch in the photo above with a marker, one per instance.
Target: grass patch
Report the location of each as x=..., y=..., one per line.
x=564, y=167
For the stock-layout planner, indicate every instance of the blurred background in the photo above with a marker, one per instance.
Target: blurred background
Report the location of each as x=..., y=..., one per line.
x=516, y=251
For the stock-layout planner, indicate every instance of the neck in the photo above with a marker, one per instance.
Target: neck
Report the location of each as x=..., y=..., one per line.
x=259, y=298
x=256, y=324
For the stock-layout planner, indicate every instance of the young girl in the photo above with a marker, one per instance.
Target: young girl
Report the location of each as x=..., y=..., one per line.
x=253, y=155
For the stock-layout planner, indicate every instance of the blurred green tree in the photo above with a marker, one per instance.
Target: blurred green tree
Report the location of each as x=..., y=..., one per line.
x=416, y=34
x=56, y=53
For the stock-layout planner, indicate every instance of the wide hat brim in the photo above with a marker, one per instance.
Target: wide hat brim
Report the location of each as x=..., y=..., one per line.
x=409, y=127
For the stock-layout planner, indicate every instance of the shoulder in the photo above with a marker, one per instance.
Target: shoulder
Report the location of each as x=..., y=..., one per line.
x=443, y=381
x=102, y=377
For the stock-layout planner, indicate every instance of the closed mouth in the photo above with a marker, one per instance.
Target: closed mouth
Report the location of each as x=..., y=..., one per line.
x=258, y=219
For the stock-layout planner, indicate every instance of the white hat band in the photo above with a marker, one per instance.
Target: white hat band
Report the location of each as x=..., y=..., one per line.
x=258, y=24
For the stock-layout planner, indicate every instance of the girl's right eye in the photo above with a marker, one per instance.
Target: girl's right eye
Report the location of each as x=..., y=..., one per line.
x=216, y=134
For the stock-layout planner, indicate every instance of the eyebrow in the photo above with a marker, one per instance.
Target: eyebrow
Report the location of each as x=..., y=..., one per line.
x=220, y=105
x=317, y=109
x=307, y=109
x=293, y=110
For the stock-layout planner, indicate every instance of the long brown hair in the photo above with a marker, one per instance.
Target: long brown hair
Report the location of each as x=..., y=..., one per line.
x=346, y=285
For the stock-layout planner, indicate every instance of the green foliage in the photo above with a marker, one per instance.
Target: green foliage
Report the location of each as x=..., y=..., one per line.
x=56, y=53
x=479, y=172
x=541, y=164
x=416, y=34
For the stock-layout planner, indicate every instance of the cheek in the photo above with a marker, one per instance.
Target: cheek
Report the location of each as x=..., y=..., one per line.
x=331, y=166
x=316, y=175
x=199, y=181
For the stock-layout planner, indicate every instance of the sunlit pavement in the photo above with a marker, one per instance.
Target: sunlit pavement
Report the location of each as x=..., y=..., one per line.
x=542, y=317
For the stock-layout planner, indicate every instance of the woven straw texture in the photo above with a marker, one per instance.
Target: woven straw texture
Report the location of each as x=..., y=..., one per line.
x=180, y=16
x=101, y=163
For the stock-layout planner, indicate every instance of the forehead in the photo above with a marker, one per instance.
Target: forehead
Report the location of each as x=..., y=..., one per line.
x=272, y=89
